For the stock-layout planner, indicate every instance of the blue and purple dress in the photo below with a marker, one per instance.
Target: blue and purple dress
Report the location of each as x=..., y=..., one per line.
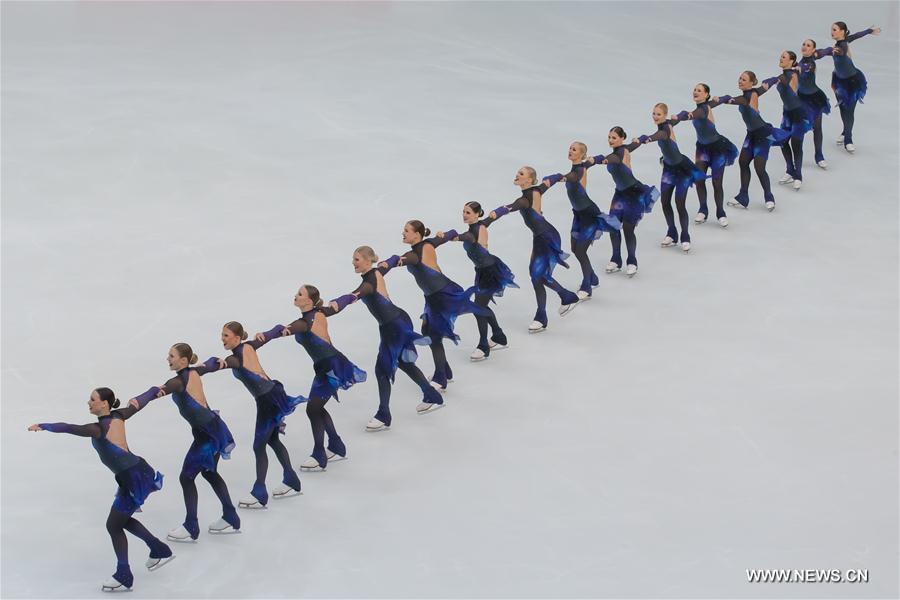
x=714, y=150
x=632, y=199
x=334, y=371
x=848, y=82
x=398, y=337
x=679, y=171
x=811, y=96
x=546, y=247
x=492, y=275
x=136, y=479
x=760, y=135
x=212, y=438
x=445, y=300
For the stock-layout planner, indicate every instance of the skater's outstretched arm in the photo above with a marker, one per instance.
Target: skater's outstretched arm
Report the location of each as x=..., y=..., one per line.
x=89, y=430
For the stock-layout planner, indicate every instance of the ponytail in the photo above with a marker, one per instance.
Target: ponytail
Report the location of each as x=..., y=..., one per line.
x=237, y=329
x=419, y=227
x=185, y=351
x=108, y=396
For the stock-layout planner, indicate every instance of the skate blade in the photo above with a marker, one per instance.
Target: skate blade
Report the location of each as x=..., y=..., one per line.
x=228, y=531
x=252, y=505
x=290, y=494
x=496, y=347
x=569, y=310
x=611, y=271
x=379, y=428
x=432, y=408
x=482, y=359
x=315, y=469
x=160, y=562
x=631, y=275
x=181, y=540
x=114, y=590
x=541, y=330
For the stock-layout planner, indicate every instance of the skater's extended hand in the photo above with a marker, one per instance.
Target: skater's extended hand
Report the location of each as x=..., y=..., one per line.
x=260, y=337
x=440, y=234
x=334, y=306
x=493, y=214
x=35, y=427
x=875, y=30
x=134, y=404
x=222, y=364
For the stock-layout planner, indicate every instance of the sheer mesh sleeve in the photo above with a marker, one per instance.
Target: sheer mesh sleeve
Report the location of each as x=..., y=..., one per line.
x=90, y=430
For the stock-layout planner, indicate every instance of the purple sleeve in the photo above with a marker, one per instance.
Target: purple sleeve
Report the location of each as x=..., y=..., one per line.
x=90, y=430
x=554, y=179
x=770, y=82
x=451, y=235
x=683, y=116
x=829, y=51
x=145, y=398
x=210, y=365
x=501, y=211
x=726, y=99
x=392, y=262
x=344, y=301
x=273, y=333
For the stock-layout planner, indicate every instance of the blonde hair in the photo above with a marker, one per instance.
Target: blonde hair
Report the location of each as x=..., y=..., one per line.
x=665, y=109
x=532, y=172
x=583, y=147
x=367, y=253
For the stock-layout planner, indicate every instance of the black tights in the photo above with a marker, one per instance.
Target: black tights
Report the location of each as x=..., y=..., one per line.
x=793, y=157
x=189, y=488
x=483, y=300
x=848, y=115
x=281, y=453
x=630, y=244
x=117, y=523
x=385, y=386
x=817, y=138
x=321, y=423
x=680, y=197
x=718, y=191
x=580, y=250
x=759, y=164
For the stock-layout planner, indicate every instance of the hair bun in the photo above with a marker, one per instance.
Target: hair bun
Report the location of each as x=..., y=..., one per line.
x=115, y=403
x=427, y=232
x=194, y=359
x=244, y=336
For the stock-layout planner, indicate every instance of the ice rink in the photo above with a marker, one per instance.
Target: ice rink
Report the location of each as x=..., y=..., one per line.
x=170, y=167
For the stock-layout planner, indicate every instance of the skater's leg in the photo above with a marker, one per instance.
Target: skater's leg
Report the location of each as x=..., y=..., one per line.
x=630, y=241
x=680, y=199
x=817, y=138
x=666, y=198
x=759, y=164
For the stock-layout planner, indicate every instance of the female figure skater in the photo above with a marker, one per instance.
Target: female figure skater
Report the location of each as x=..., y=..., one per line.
x=629, y=203
x=714, y=151
x=760, y=137
x=333, y=371
x=795, y=118
x=678, y=175
x=813, y=99
x=272, y=406
x=492, y=277
x=588, y=221
x=546, y=247
x=398, y=338
x=444, y=299
x=848, y=82
x=135, y=477
x=212, y=440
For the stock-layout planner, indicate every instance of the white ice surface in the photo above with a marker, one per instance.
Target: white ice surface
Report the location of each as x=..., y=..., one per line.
x=170, y=167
